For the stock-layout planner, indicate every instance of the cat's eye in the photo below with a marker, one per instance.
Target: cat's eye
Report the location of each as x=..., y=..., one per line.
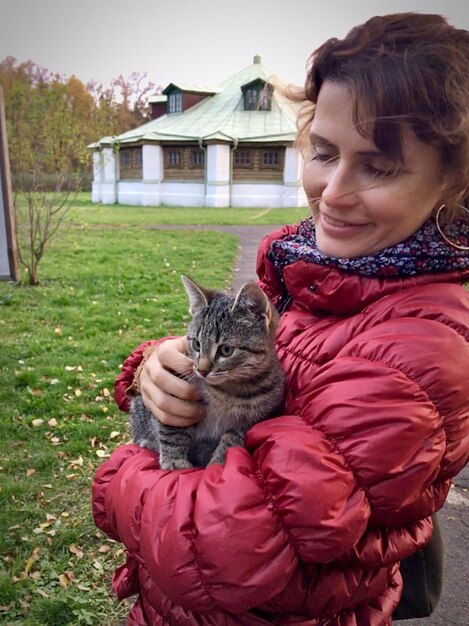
x=195, y=344
x=225, y=350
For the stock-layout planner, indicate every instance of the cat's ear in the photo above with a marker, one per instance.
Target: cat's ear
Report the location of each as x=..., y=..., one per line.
x=199, y=297
x=252, y=296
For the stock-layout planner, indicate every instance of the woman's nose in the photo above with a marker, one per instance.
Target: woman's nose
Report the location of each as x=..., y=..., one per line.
x=340, y=190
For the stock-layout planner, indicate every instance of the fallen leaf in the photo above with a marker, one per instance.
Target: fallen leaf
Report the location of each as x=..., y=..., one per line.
x=76, y=550
x=64, y=580
x=102, y=454
x=104, y=549
x=32, y=559
x=52, y=422
x=114, y=434
x=30, y=472
x=37, y=422
x=58, y=331
x=78, y=393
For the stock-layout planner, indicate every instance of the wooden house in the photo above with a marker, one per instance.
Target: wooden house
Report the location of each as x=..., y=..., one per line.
x=228, y=146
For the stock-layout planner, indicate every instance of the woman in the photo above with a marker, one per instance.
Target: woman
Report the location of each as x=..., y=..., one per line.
x=309, y=523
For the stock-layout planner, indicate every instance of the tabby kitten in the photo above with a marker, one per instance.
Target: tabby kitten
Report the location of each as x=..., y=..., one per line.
x=231, y=342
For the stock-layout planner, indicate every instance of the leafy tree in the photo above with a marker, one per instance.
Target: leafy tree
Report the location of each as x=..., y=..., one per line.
x=50, y=122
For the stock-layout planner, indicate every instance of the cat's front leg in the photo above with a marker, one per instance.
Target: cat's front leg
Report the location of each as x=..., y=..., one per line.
x=230, y=439
x=174, y=446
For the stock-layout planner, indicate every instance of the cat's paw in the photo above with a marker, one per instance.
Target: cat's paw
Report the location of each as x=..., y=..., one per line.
x=146, y=443
x=174, y=464
x=218, y=458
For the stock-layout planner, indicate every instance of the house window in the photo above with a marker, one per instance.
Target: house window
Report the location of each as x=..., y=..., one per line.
x=251, y=99
x=173, y=158
x=258, y=164
x=130, y=163
x=265, y=98
x=185, y=163
x=175, y=102
x=125, y=158
x=258, y=97
x=242, y=158
x=197, y=158
x=270, y=158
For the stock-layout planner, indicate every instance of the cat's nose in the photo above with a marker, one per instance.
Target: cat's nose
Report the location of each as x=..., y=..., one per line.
x=203, y=367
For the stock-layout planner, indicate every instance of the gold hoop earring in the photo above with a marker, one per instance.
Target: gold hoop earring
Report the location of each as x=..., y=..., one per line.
x=453, y=244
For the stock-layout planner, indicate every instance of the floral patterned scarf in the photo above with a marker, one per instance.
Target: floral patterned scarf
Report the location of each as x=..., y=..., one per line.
x=423, y=252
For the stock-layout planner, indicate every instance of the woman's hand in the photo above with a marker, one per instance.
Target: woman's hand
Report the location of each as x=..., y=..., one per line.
x=171, y=399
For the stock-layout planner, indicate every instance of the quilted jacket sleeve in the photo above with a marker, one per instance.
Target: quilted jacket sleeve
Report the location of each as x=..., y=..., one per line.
x=125, y=378
x=232, y=536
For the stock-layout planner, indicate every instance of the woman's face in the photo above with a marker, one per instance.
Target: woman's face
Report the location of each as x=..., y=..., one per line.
x=361, y=199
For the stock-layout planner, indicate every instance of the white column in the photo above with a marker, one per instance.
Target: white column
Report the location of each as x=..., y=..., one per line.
x=109, y=183
x=294, y=195
x=98, y=177
x=152, y=158
x=218, y=175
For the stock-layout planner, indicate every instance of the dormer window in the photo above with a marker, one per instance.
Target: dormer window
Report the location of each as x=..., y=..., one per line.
x=257, y=96
x=175, y=102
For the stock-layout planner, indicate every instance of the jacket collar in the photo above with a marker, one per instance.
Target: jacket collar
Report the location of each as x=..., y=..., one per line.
x=326, y=288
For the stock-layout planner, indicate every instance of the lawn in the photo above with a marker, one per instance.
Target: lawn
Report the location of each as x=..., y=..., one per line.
x=85, y=213
x=103, y=290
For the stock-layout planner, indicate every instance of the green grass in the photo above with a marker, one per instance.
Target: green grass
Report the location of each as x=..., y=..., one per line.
x=83, y=212
x=102, y=291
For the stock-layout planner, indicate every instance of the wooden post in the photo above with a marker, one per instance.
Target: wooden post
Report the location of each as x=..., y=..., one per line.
x=9, y=269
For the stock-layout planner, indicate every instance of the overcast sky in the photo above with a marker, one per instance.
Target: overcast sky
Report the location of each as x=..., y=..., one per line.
x=197, y=41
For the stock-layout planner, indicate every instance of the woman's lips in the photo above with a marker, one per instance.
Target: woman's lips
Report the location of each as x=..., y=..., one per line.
x=338, y=226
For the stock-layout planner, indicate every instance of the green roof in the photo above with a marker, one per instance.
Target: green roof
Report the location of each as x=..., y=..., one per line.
x=190, y=87
x=222, y=116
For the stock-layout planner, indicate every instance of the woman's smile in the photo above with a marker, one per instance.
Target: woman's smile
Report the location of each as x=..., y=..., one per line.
x=338, y=227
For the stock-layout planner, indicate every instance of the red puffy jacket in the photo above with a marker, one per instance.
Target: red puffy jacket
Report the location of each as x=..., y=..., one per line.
x=307, y=525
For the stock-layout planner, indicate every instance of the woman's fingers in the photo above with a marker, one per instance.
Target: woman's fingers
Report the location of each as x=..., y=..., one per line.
x=171, y=399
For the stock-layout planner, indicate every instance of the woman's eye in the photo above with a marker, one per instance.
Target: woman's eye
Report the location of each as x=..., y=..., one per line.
x=323, y=157
x=376, y=172
x=195, y=344
x=382, y=172
x=226, y=351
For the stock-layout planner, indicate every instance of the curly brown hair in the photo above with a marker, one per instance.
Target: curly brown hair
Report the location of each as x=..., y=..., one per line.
x=403, y=69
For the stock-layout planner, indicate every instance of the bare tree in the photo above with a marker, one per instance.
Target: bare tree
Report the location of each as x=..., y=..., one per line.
x=40, y=212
